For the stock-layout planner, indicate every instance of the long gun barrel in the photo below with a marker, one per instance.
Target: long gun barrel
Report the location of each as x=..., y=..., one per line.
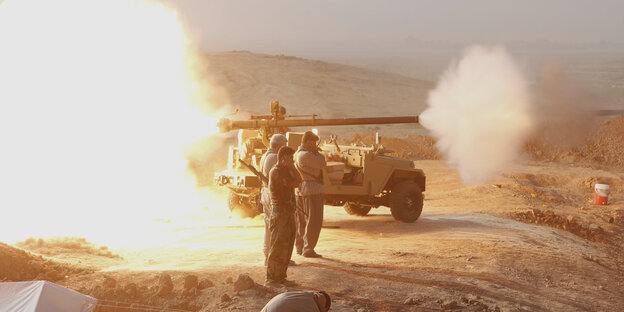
x=226, y=125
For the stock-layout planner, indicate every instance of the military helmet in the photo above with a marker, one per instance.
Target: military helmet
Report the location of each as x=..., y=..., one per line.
x=278, y=139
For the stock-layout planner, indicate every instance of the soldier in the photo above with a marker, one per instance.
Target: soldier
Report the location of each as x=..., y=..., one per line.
x=283, y=180
x=267, y=162
x=310, y=199
x=303, y=301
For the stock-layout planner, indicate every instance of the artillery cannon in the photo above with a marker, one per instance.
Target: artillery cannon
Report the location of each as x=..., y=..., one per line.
x=358, y=178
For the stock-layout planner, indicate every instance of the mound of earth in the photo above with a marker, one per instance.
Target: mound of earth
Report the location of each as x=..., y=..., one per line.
x=250, y=81
x=601, y=144
x=416, y=147
x=19, y=265
x=63, y=245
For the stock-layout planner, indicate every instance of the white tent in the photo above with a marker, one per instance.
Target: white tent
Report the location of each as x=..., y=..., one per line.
x=42, y=296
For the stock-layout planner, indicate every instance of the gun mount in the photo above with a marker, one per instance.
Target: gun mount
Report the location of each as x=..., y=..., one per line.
x=279, y=122
x=356, y=177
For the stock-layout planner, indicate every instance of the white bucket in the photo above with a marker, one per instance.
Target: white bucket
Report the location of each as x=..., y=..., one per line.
x=601, y=194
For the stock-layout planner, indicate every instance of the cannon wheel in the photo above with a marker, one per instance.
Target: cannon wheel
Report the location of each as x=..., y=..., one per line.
x=406, y=201
x=242, y=206
x=355, y=209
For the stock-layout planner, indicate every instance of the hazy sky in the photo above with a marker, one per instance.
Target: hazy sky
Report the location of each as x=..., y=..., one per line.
x=339, y=25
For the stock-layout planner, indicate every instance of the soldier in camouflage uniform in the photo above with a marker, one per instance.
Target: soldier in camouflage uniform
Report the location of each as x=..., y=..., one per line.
x=283, y=180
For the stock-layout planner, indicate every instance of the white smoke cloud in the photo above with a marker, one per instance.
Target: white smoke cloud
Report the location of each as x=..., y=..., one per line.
x=480, y=112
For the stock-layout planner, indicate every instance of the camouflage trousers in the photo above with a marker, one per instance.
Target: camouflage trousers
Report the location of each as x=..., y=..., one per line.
x=282, y=227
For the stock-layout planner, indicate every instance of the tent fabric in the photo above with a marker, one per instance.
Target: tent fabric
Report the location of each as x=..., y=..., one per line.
x=42, y=296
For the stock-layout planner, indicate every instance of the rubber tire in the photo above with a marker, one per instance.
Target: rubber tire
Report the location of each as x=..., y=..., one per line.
x=356, y=209
x=241, y=206
x=406, y=201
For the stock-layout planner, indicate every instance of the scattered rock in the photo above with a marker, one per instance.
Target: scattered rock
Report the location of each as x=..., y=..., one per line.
x=450, y=305
x=191, y=292
x=463, y=299
x=243, y=282
x=229, y=280
x=165, y=285
x=96, y=291
x=108, y=293
x=205, y=283
x=412, y=301
x=131, y=290
x=165, y=280
x=164, y=291
x=568, y=223
x=109, y=283
x=480, y=306
x=190, y=281
x=225, y=298
x=52, y=275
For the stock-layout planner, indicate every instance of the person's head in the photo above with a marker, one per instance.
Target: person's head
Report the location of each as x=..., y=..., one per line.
x=285, y=156
x=309, y=140
x=277, y=141
x=323, y=301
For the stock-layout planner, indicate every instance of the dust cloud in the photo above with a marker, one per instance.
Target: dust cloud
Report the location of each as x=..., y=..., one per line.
x=481, y=113
x=99, y=103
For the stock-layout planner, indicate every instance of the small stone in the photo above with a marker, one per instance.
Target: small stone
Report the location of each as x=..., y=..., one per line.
x=96, y=291
x=571, y=219
x=480, y=306
x=52, y=276
x=243, y=282
x=205, y=283
x=109, y=283
x=190, y=281
x=131, y=290
x=593, y=227
x=463, y=299
x=229, y=280
x=165, y=285
x=409, y=301
x=163, y=291
x=225, y=298
x=108, y=293
x=191, y=292
x=165, y=280
x=450, y=306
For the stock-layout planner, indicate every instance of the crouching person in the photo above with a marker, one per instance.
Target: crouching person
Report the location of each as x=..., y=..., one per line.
x=299, y=301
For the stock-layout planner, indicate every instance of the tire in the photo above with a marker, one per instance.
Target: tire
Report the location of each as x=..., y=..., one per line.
x=242, y=206
x=406, y=201
x=356, y=209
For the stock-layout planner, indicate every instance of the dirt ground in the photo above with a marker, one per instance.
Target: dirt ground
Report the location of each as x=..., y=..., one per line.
x=529, y=241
